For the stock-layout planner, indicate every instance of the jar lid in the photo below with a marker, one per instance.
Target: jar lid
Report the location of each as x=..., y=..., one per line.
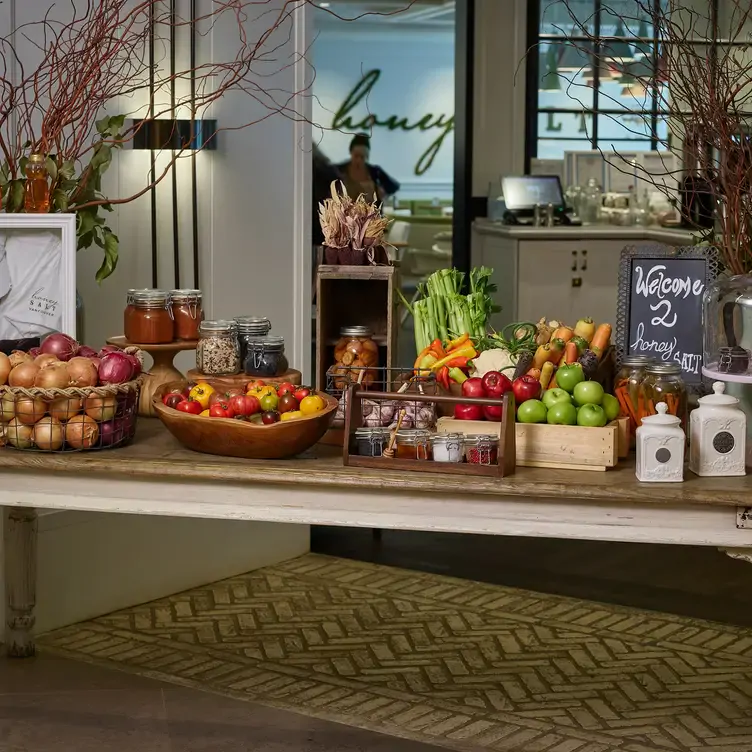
x=36, y=158
x=355, y=331
x=371, y=433
x=664, y=369
x=664, y=418
x=151, y=297
x=718, y=397
x=271, y=341
x=446, y=438
x=185, y=294
x=253, y=321
x=637, y=360
x=482, y=438
x=217, y=327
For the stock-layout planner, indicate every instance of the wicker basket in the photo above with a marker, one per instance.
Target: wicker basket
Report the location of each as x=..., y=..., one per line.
x=69, y=405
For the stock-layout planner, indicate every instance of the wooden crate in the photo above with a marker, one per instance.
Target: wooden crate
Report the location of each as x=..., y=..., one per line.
x=562, y=447
x=505, y=430
x=356, y=296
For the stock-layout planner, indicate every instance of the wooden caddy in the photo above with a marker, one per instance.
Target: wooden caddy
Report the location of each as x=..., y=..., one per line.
x=506, y=455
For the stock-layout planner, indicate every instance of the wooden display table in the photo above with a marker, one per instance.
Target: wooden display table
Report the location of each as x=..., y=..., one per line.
x=240, y=380
x=161, y=372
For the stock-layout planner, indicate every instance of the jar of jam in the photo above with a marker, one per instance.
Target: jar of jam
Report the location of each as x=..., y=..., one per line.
x=413, y=444
x=482, y=449
x=354, y=353
x=150, y=322
x=663, y=383
x=128, y=313
x=187, y=313
x=217, y=352
x=265, y=356
x=251, y=326
x=448, y=447
x=628, y=385
x=371, y=442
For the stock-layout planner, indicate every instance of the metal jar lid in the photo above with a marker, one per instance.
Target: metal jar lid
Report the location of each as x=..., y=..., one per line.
x=253, y=324
x=664, y=369
x=150, y=298
x=185, y=296
x=270, y=343
x=638, y=360
x=220, y=326
x=448, y=438
x=356, y=331
x=477, y=439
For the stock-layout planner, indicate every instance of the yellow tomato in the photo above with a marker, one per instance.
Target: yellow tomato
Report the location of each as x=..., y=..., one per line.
x=204, y=414
x=292, y=415
x=261, y=391
x=311, y=404
x=202, y=392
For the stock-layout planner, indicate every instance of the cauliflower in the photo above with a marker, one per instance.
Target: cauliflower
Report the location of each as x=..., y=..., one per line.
x=494, y=360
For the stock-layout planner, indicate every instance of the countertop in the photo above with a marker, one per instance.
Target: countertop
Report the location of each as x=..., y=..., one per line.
x=586, y=232
x=156, y=456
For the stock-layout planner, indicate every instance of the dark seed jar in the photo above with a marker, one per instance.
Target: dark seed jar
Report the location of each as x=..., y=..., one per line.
x=253, y=327
x=265, y=356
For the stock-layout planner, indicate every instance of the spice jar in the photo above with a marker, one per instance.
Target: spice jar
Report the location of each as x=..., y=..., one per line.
x=448, y=447
x=718, y=434
x=413, y=444
x=250, y=326
x=187, y=313
x=482, y=449
x=354, y=353
x=265, y=356
x=663, y=383
x=627, y=387
x=150, y=321
x=128, y=313
x=660, y=448
x=217, y=352
x=371, y=442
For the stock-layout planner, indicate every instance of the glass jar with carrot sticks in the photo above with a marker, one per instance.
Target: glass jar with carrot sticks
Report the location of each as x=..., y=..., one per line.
x=663, y=383
x=628, y=388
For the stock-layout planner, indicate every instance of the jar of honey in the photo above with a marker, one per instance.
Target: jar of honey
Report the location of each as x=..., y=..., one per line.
x=413, y=444
x=150, y=322
x=187, y=313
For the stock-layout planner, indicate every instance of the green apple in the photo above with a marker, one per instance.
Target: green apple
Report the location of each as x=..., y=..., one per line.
x=531, y=411
x=562, y=414
x=591, y=415
x=553, y=396
x=568, y=376
x=610, y=406
x=588, y=393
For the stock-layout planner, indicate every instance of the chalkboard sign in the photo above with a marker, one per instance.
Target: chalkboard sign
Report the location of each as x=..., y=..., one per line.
x=659, y=311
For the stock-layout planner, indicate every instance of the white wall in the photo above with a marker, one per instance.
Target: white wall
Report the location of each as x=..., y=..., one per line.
x=417, y=78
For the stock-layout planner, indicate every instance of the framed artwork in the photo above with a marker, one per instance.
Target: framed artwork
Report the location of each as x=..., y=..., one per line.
x=37, y=275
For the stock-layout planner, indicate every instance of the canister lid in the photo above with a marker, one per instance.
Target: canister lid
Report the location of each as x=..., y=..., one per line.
x=355, y=331
x=637, y=360
x=664, y=418
x=664, y=369
x=719, y=397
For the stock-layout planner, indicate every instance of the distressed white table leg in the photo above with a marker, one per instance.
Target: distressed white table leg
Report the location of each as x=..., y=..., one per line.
x=20, y=544
x=743, y=554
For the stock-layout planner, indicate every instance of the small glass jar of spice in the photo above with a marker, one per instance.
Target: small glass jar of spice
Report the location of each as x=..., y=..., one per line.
x=482, y=449
x=149, y=322
x=265, y=356
x=187, y=313
x=448, y=447
x=250, y=327
x=217, y=352
x=371, y=442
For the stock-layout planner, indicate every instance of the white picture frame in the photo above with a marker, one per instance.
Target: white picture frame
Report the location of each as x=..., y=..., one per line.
x=56, y=299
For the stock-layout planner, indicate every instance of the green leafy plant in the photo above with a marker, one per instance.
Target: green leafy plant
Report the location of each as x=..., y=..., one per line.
x=77, y=192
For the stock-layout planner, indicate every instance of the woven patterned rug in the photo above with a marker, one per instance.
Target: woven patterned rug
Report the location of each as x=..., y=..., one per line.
x=450, y=662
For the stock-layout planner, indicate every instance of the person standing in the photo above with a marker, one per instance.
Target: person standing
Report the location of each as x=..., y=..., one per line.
x=359, y=176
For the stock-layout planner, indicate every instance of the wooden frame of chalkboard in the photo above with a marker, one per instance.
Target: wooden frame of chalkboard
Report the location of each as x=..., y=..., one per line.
x=673, y=295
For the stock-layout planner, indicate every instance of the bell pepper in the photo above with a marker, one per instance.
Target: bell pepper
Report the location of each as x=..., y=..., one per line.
x=466, y=351
x=457, y=375
x=455, y=343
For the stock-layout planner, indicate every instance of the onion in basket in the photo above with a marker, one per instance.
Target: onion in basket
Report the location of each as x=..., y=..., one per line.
x=64, y=408
x=49, y=434
x=5, y=368
x=19, y=435
x=29, y=410
x=52, y=376
x=81, y=432
x=23, y=375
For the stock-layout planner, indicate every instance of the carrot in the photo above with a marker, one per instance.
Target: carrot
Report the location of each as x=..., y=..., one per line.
x=600, y=340
x=585, y=328
x=570, y=352
x=546, y=373
x=542, y=355
x=563, y=332
x=557, y=349
x=534, y=372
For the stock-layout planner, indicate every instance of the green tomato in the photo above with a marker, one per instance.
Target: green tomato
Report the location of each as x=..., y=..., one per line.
x=532, y=411
x=591, y=416
x=611, y=406
x=568, y=376
x=554, y=396
x=562, y=414
x=588, y=393
x=269, y=402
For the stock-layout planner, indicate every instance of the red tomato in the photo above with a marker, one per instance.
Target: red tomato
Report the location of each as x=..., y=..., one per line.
x=217, y=397
x=253, y=384
x=172, y=400
x=244, y=405
x=301, y=393
x=285, y=388
x=189, y=406
x=221, y=410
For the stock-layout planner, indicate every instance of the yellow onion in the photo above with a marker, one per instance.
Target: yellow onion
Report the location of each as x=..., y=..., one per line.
x=18, y=356
x=7, y=408
x=19, y=435
x=23, y=374
x=82, y=372
x=45, y=358
x=100, y=408
x=64, y=408
x=5, y=368
x=81, y=432
x=48, y=434
x=52, y=376
x=29, y=410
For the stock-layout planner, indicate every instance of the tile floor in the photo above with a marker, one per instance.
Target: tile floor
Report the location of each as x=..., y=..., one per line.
x=51, y=704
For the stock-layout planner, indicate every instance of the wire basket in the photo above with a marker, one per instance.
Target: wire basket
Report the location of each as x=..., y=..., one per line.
x=383, y=413
x=74, y=419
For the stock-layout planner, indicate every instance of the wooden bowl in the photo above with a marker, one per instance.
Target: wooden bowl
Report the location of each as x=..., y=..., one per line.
x=234, y=438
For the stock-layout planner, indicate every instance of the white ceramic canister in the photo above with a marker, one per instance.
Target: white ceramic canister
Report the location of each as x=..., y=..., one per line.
x=660, y=448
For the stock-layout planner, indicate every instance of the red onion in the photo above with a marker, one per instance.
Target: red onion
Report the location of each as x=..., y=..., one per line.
x=114, y=432
x=108, y=349
x=35, y=351
x=86, y=352
x=115, y=368
x=136, y=363
x=59, y=344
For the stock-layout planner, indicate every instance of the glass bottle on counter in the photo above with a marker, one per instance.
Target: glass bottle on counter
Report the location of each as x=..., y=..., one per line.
x=356, y=356
x=187, y=313
x=265, y=356
x=253, y=327
x=628, y=385
x=37, y=186
x=150, y=321
x=663, y=383
x=217, y=351
x=592, y=199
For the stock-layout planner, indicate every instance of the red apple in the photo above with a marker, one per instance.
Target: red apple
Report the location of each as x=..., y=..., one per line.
x=526, y=388
x=468, y=412
x=496, y=384
x=473, y=388
x=491, y=412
